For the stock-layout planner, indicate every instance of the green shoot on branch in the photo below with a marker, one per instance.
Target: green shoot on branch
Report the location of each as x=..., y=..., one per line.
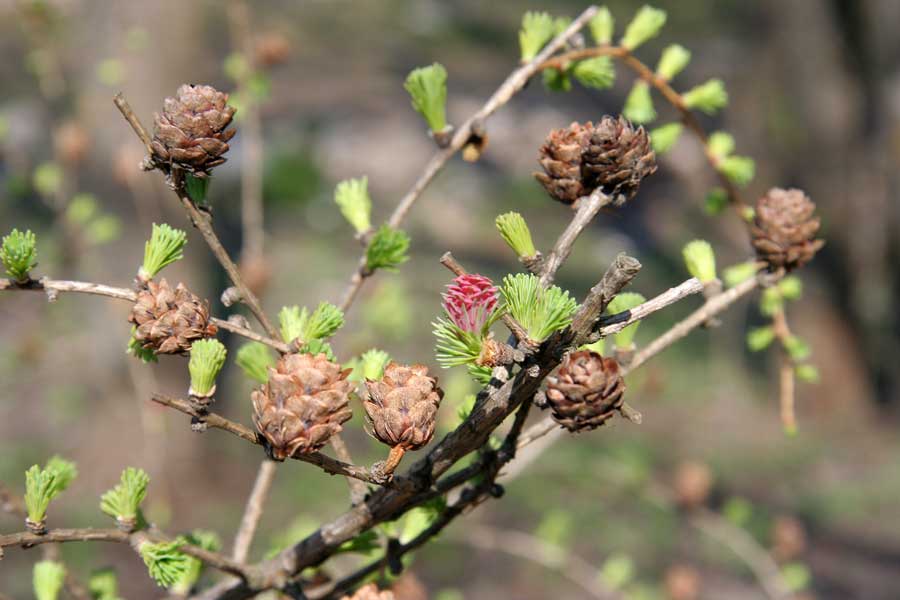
x=255, y=359
x=19, y=254
x=352, y=197
x=427, y=86
x=387, y=250
x=207, y=359
x=164, y=247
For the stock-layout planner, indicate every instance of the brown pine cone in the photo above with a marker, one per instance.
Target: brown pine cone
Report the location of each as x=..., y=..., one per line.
x=370, y=592
x=561, y=157
x=586, y=391
x=402, y=406
x=618, y=158
x=302, y=405
x=191, y=131
x=168, y=321
x=784, y=229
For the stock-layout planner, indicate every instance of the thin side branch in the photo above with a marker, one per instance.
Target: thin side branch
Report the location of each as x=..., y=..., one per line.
x=253, y=511
x=586, y=209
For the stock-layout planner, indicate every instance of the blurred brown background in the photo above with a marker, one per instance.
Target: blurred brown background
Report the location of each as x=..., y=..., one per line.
x=815, y=99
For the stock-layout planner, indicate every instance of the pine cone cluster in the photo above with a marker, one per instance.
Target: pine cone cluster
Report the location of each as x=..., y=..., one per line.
x=586, y=391
x=612, y=155
x=191, y=131
x=784, y=229
x=303, y=404
x=403, y=405
x=168, y=321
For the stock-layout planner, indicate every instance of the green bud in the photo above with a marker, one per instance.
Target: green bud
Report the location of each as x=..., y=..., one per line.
x=373, y=362
x=622, y=302
x=796, y=348
x=164, y=247
x=770, y=302
x=427, y=86
x=323, y=322
x=19, y=254
x=556, y=80
x=791, y=287
x=165, y=563
x=197, y=188
x=352, y=197
x=207, y=359
x=538, y=28
x=64, y=471
x=646, y=25
x=48, y=579
x=639, y=105
x=748, y=213
x=807, y=373
x=103, y=585
x=540, y=310
x=315, y=347
x=716, y=201
x=47, y=179
x=708, y=97
x=739, y=273
x=387, y=249
x=673, y=61
x=796, y=576
x=738, y=169
x=123, y=501
x=81, y=209
x=720, y=144
x=700, y=260
x=255, y=359
x=664, y=137
x=207, y=540
x=617, y=571
x=601, y=26
x=39, y=491
x=293, y=322
x=514, y=231
x=598, y=72
x=759, y=338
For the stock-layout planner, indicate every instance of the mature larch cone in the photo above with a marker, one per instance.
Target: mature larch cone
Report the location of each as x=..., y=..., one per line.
x=168, y=321
x=784, y=229
x=370, y=592
x=191, y=131
x=586, y=391
x=401, y=408
x=618, y=157
x=561, y=157
x=303, y=404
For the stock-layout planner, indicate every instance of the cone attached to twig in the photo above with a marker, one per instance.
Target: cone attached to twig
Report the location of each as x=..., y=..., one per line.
x=618, y=158
x=191, y=133
x=168, y=321
x=401, y=408
x=613, y=155
x=303, y=404
x=561, y=158
x=586, y=391
x=784, y=229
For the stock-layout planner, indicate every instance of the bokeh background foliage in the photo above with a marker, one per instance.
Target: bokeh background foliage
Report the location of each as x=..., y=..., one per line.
x=815, y=100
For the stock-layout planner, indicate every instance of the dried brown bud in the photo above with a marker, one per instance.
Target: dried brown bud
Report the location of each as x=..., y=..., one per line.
x=586, y=391
x=302, y=405
x=168, y=321
x=402, y=406
x=191, y=133
x=693, y=483
x=788, y=538
x=682, y=583
x=71, y=142
x=784, y=229
x=272, y=49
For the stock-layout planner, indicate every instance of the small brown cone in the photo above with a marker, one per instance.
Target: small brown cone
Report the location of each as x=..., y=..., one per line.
x=788, y=538
x=168, y=321
x=561, y=157
x=682, y=583
x=271, y=49
x=618, y=158
x=402, y=406
x=370, y=592
x=586, y=391
x=71, y=142
x=693, y=483
x=302, y=405
x=784, y=229
x=191, y=131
